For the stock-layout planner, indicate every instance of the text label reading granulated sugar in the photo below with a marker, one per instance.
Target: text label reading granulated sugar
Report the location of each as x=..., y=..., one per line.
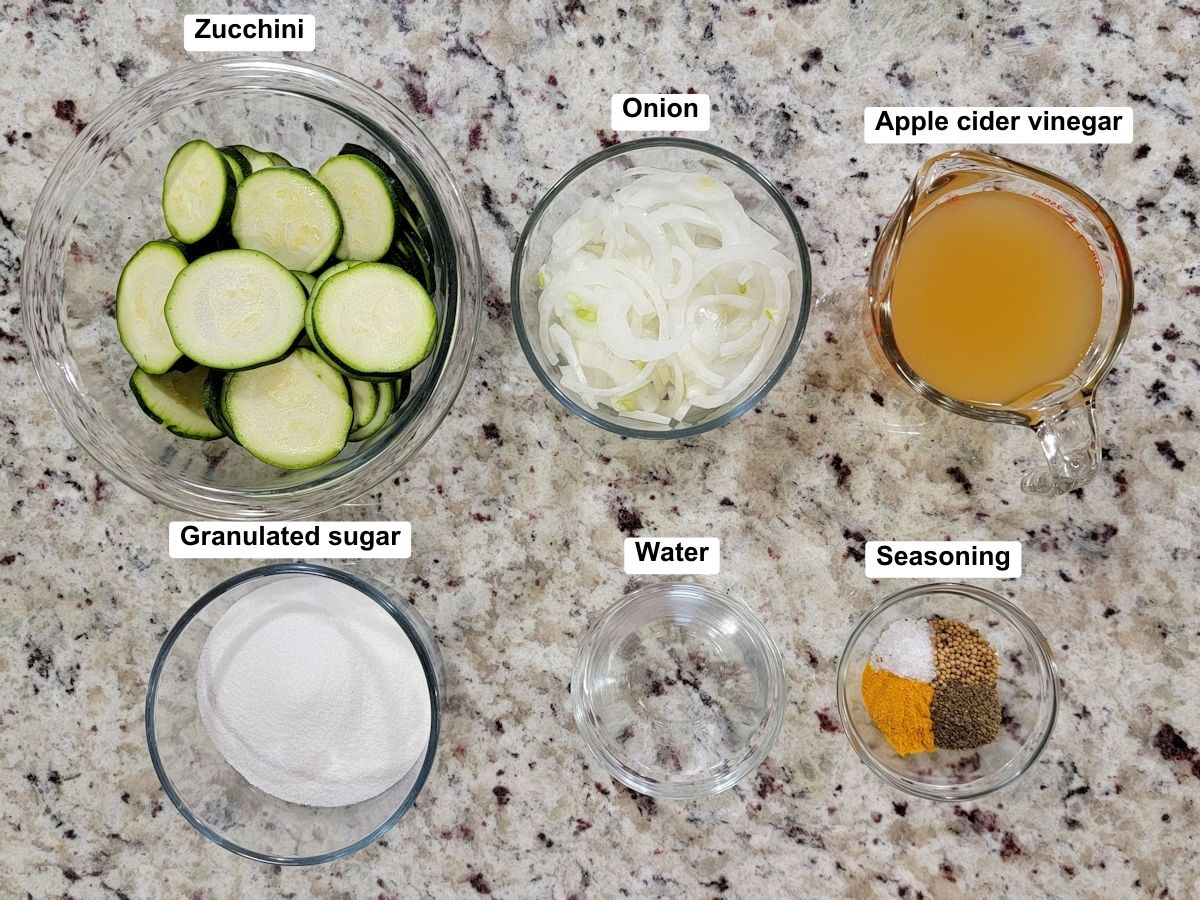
x=290, y=540
x=249, y=32
x=998, y=125
x=660, y=112
x=953, y=559
x=672, y=556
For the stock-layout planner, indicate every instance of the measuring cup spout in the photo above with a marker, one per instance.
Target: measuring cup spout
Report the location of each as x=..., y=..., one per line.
x=1068, y=439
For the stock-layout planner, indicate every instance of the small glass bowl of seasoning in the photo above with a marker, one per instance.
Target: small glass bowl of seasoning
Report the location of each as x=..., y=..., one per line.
x=947, y=691
x=678, y=690
x=293, y=713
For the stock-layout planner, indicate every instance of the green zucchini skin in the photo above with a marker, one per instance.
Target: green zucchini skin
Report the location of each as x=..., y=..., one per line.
x=224, y=192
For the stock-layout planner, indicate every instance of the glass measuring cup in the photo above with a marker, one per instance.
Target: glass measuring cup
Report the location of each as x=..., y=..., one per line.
x=1063, y=418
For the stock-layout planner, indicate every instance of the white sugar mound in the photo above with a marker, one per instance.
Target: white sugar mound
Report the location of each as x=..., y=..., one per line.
x=906, y=649
x=313, y=693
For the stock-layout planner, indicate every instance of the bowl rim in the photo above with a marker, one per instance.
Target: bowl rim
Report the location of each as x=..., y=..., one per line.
x=793, y=341
x=1016, y=617
x=436, y=181
x=380, y=596
x=776, y=680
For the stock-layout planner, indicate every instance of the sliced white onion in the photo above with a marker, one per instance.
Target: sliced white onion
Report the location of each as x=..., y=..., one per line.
x=664, y=301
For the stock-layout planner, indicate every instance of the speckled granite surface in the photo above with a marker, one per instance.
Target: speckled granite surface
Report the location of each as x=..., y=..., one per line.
x=515, y=806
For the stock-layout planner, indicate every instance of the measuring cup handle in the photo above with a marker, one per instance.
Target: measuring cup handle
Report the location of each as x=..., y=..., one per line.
x=1072, y=450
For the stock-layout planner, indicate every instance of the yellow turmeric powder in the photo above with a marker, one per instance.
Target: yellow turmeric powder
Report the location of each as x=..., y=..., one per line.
x=900, y=709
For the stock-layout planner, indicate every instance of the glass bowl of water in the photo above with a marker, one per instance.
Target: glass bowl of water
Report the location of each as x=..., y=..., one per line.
x=678, y=690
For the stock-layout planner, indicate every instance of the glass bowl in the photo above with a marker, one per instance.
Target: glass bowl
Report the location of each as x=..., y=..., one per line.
x=101, y=203
x=1028, y=687
x=214, y=797
x=678, y=690
x=597, y=176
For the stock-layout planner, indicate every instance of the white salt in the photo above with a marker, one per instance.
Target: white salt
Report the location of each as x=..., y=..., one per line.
x=313, y=692
x=906, y=649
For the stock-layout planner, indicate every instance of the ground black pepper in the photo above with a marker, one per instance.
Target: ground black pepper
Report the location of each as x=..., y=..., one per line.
x=964, y=715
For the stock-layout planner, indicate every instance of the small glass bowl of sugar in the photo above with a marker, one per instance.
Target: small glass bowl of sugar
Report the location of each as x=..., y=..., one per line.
x=293, y=713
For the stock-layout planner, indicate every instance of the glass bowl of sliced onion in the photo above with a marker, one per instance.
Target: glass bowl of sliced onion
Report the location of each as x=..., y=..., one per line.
x=661, y=288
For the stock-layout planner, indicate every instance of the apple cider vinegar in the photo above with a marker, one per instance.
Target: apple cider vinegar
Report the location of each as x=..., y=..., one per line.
x=995, y=298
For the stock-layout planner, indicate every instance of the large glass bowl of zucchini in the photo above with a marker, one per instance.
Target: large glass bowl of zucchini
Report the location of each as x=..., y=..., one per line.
x=251, y=289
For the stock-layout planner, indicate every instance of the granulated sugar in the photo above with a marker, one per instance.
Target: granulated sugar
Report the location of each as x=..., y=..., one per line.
x=313, y=692
x=906, y=649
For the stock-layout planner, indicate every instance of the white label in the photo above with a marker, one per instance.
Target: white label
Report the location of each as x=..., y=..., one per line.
x=672, y=556
x=998, y=125
x=290, y=540
x=249, y=32
x=660, y=112
x=956, y=559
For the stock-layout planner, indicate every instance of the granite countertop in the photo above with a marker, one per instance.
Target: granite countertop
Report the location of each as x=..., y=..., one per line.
x=519, y=510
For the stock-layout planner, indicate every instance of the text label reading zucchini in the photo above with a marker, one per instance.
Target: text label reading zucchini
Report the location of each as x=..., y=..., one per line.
x=249, y=32
x=290, y=540
x=998, y=125
x=952, y=559
x=672, y=556
x=660, y=112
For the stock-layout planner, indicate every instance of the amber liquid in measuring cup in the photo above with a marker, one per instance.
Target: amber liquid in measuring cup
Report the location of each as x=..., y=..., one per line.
x=995, y=298
x=1003, y=293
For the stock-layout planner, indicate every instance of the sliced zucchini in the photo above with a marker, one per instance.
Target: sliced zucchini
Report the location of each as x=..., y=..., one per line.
x=175, y=400
x=413, y=258
x=332, y=378
x=289, y=215
x=307, y=279
x=331, y=271
x=383, y=411
x=367, y=201
x=234, y=309
x=277, y=160
x=374, y=319
x=258, y=160
x=238, y=164
x=214, y=382
x=286, y=414
x=402, y=195
x=199, y=191
x=364, y=398
x=141, y=296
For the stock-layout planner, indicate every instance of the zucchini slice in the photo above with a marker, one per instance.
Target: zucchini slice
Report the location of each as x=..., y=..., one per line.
x=257, y=159
x=307, y=279
x=374, y=319
x=330, y=376
x=364, y=398
x=277, y=160
x=367, y=201
x=238, y=164
x=286, y=414
x=175, y=400
x=234, y=309
x=331, y=271
x=210, y=394
x=199, y=191
x=383, y=411
x=141, y=296
x=289, y=215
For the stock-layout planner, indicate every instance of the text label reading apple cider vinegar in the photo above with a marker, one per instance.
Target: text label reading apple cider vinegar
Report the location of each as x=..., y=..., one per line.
x=998, y=125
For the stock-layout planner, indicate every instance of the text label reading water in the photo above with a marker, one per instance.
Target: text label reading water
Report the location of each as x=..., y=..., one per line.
x=672, y=556
x=953, y=559
x=249, y=32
